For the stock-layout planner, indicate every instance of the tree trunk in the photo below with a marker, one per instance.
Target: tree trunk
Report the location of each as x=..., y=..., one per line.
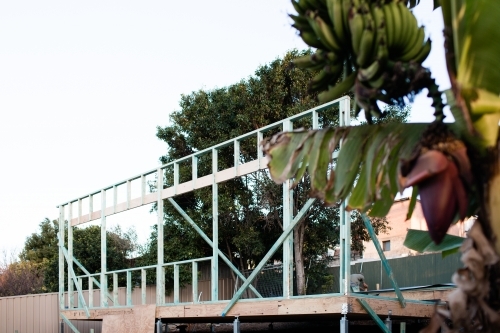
x=298, y=244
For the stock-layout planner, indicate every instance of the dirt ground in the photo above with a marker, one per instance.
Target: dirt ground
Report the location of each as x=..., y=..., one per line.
x=298, y=327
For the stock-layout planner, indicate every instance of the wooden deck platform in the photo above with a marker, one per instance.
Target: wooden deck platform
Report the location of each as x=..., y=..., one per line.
x=419, y=304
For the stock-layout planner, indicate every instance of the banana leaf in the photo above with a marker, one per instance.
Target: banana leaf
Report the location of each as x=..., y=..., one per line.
x=376, y=149
x=475, y=44
x=421, y=241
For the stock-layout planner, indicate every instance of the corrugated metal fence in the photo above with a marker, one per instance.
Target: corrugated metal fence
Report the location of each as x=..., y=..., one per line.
x=39, y=313
x=411, y=271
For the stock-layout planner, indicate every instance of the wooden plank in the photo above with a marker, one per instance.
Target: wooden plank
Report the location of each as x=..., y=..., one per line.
x=203, y=310
x=254, y=308
x=311, y=305
x=331, y=305
x=225, y=175
x=203, y=181
x=258, y=309
x=170, y=192
x=176, y=311
x=382, y=307
x=141, y=321
x=96, y=313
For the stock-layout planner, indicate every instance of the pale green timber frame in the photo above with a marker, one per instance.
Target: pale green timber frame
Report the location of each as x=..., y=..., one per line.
x=345, y=219
x=217, y=176
x=383, y=259
x=374, y=315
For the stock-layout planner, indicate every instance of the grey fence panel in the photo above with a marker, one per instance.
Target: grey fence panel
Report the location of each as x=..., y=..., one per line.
x=420, y=270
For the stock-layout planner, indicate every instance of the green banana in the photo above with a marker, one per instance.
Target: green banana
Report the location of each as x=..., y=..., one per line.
x=307, y=61
x=366, y=46
x=356, y=24
x=398, y=31
x=310, y=39
x=317, y=3
x=389, y=25
x=332, y=57
x=334, y=76
x=333, y=69
x=415, y=49
x=298, y=8
x=413, y=28
x=326, y=35
x=319, y=81
x=424, y=52
x=368, y=73
x=346, y=6
x=307, y=5
x=319, y=56
x=300, y=22
x=336, y=15
x=377, y=82
x=303, y=62
x=381, y=42
x=338, y=90
x=407, y=26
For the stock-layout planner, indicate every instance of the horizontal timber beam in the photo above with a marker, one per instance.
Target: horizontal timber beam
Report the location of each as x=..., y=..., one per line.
x=262, y=308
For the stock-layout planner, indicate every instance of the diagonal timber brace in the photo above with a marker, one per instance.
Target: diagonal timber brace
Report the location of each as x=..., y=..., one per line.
x=84, y=270
x=209, y=241
x=374, y=316
x=268, y=255
x=383, y=259
x=69, y=323
x=70, y=268
x=93, y=278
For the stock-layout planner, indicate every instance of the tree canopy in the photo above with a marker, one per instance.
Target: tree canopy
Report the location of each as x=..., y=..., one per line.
x=41, y=249
x=250, y=207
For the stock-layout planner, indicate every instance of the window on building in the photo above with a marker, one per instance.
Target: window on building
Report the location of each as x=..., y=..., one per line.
x=386, y=245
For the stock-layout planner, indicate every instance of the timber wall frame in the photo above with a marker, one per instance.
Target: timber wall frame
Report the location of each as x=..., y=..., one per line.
x=217, y=176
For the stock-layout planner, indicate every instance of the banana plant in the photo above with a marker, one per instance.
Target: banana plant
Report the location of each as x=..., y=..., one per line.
x=454, y=167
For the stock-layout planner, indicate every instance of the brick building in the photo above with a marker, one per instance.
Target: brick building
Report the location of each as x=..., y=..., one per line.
x=392, y=242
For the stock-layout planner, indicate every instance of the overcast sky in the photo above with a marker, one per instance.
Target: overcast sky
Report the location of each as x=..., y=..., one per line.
x=83, y=85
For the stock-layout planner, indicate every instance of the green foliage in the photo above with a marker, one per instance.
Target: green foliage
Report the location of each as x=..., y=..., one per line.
x=250, y=208
x=206, y=118
x=21, y=278
x=421, y=241
x=370, y=152
x=41, y=248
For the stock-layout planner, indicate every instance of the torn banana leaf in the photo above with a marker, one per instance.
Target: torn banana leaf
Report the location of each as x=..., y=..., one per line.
x=376, y=149
x=420, y=240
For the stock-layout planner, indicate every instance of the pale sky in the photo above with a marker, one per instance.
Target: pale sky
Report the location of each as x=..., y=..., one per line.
x=83, y=86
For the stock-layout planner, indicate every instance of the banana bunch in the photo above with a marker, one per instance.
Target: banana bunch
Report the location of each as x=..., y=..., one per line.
x=376, y=44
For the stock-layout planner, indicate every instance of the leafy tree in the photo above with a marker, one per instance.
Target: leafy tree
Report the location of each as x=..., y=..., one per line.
x=454, y=167
x=20, y=277
x=250, y=207
x=41, y=249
